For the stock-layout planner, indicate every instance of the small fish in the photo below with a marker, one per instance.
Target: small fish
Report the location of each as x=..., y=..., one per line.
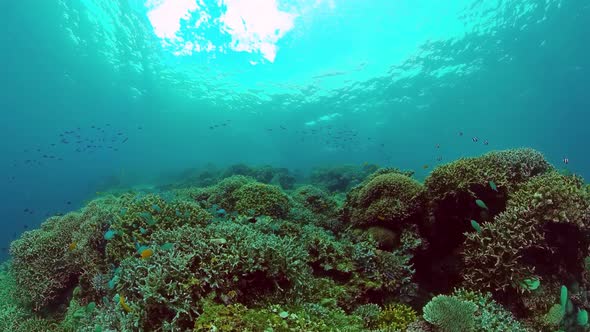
x=380, y=217
x=486, y=142
x=460, y=133
x=566, y=160
x=481, y=204
x=167, y=246
x=73, y=246
x=476, y=226
x=125, y=140
x=493, y=186
x=475, y=139
x=25, y=226
x=438, y=146
x=146, y=253
x=69, y=203
x=124, y=305
x=439, y=158
x=110, y=234
x=425, y=166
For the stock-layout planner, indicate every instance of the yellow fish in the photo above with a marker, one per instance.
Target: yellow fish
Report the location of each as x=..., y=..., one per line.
x=125, y=306
x=146, y=253
x=73, y=246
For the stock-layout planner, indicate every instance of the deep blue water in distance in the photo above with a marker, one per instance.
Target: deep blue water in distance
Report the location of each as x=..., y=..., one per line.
x=132, y=111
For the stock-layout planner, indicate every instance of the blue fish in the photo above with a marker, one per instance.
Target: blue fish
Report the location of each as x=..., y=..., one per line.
x=476, y=226
x=481, y=204
x=493, y=186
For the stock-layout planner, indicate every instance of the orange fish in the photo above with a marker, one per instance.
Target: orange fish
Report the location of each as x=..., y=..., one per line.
x=146, y=253
x=73, y=246
x=125, y=306
x=381, y=218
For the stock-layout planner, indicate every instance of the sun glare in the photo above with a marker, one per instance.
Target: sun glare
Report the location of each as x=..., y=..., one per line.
x=254, y=26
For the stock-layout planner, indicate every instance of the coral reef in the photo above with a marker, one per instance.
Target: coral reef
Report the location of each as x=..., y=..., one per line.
x=261, y=199
x=468, y=189
x=387, y=198
x=357, y=249
x=542, y=234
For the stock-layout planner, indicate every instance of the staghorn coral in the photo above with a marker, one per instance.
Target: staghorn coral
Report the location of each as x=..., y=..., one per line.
x=387, y=198
x=542, y=232
x=261, y=199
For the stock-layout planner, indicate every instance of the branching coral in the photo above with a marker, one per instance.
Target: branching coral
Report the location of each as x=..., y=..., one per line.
x=540, y=233
x=233, y=261
x=141, y=216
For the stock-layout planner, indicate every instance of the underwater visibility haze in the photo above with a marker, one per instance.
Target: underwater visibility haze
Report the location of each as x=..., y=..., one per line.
x=295, y=165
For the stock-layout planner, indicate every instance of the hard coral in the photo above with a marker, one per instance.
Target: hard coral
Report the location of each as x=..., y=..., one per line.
x=506, y=168
x=50, y=260
x=543, y=232
x=450, y=314
x=456, y=193
x=141, y=215
x=315, y=199
x=340, y=178
x=387, y=198
x=396, y=317
x=233, y=261
x=261, y=199
x=223, y=193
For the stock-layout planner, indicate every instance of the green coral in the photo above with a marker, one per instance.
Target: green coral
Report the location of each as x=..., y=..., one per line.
x=369, y=313
x=315, y=199
x=554, y=316
x=450, y=314
x=232, y=260
x=142, y=215
x=540, y=216
x=14, y=315
x=505, y=168
x=238, y=317
x=396, y=317
x=387, y=198
x=50, y=260
x=262, y=199
x=489, y=316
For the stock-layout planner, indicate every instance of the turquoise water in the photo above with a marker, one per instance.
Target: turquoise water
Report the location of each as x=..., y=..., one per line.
x=101, y=95
x=403, y=76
